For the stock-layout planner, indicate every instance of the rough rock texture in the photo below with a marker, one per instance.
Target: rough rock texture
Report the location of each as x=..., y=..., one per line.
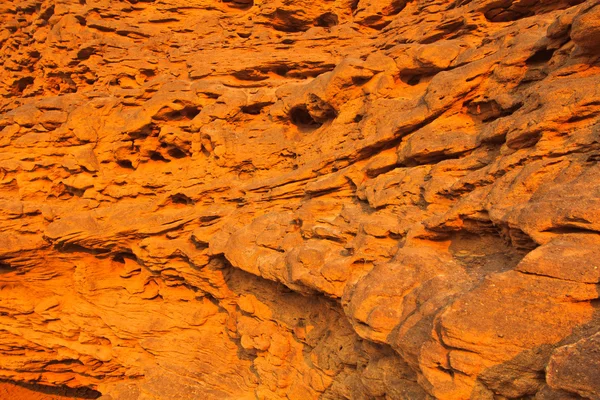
x=362, y=199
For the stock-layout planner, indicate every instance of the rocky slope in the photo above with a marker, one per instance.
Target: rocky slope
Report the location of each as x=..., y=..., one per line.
x=362, y=199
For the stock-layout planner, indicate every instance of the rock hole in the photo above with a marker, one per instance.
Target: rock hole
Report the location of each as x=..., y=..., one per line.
x=504, y=15
x=148, y=73
x=120, y=257
x=75, y=191
x=360, y=80
x=254, y=109
x=327, y=20
x=282, y=70
x=188, y=112
x=410, y=79
x=21, y=84
x=85, y=53
x=517, y=238
x=144, y=132
x=240, y=4
x=180, y=198
x=302, y=118
x=4, y=268
x=487, y=111
x=209, y=218
x=49, y=12
x=541, y=56
x=125, y=164
x=168, y=114
x=177, y=153
x=156, y=156
x=198, y=244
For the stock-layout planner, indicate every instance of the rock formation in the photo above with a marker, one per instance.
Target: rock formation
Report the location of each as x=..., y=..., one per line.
x=341, y=199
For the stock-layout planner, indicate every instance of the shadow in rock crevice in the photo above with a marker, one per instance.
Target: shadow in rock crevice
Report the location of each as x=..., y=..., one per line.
x=525, y=375
x=53, y=392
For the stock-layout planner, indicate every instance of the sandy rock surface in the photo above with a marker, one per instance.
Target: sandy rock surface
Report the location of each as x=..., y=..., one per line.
x=342, y=199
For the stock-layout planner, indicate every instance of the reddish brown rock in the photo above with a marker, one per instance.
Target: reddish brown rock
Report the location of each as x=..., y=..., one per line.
x=371, y=199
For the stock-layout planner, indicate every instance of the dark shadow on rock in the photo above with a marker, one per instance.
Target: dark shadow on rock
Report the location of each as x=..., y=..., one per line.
x=528, y=372
x=64, y=391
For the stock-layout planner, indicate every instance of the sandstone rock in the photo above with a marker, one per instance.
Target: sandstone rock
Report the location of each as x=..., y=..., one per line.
x=371, y=199
x=564, y=371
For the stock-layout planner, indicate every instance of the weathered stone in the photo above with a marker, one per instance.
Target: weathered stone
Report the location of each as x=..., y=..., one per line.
x=371, y=199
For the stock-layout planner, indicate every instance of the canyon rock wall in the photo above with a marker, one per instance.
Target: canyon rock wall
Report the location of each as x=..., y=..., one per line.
x=341, y=199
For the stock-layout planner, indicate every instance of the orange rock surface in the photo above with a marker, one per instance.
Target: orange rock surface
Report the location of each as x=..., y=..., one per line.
x=342, y=199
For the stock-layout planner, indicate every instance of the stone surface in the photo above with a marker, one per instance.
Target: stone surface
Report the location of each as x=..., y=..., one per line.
x=373, y=199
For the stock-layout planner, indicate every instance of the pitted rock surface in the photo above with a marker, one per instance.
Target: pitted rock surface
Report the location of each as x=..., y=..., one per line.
x=344, y=199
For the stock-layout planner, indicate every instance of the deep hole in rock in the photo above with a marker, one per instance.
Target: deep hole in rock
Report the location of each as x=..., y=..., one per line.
x=327, y=20
x=282, y=70
x=302, y=118
x=180, y=198
x=125, y=164
x=541, y=56
x=410, y=78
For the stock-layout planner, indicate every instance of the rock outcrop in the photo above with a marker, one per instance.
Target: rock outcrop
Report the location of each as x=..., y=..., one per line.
x=239, y=199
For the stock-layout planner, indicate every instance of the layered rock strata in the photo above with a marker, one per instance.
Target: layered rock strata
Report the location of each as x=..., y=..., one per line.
x=343, y=199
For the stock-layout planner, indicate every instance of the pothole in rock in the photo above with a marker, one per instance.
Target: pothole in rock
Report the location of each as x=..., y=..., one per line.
x=302, y=118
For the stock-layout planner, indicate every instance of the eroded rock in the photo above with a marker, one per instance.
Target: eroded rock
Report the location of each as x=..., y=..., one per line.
x=372, y=199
